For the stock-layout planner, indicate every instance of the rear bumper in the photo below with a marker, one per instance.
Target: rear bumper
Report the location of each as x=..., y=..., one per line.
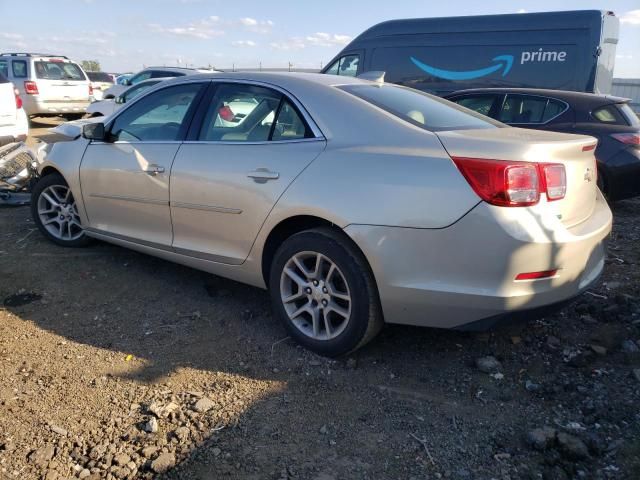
x=466, y=273
x=33, y=105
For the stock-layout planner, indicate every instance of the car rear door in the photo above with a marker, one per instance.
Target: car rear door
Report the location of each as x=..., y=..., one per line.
x=125, y=180
x=247, y=145
x=535, y=111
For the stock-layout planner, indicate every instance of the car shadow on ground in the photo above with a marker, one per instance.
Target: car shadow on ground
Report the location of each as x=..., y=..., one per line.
x=292, y=414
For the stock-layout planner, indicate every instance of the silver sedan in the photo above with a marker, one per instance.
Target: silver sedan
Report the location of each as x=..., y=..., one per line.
x=353, y=202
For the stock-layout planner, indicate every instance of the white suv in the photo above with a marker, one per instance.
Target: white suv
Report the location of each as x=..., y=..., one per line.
x=13, y=121
x=49, y=85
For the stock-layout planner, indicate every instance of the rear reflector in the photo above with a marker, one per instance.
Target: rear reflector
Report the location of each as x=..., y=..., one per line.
x=627, y=138
x=513, y=184
x=30, y=87
x=536, y=275
x=16, y=92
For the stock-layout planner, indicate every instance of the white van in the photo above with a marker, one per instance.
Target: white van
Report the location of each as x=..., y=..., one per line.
x=49, y=85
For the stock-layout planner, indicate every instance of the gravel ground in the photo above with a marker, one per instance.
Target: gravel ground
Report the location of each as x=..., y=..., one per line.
x=118, y=365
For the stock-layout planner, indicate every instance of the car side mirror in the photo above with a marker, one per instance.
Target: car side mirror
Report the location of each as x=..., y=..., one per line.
x=120, y=99
x=93, y=131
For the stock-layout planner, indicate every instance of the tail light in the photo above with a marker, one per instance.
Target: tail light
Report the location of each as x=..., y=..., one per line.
x=555, y=180
x=627, y=138
x=16, y=92
x=30, y=87
x=513, y=184
x=90, y=90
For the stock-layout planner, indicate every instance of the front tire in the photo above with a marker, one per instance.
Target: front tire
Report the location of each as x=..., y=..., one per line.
x=54, y=211
x=323, y=291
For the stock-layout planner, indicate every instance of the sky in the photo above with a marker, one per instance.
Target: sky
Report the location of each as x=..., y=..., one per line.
x=126, y=35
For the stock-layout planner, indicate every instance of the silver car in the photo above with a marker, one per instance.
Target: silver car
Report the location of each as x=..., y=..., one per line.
x=353, y=202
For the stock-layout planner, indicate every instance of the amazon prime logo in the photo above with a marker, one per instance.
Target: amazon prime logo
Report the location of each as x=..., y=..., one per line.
x=501, y=63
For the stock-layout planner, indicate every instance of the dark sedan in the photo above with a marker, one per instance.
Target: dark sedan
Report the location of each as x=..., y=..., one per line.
x=609, y=119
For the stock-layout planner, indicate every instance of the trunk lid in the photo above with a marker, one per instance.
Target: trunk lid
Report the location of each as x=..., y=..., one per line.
x=575, y=152
x=7, y=104
x=61, y=81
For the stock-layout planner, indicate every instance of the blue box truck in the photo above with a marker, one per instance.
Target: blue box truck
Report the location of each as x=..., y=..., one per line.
x=573, y=50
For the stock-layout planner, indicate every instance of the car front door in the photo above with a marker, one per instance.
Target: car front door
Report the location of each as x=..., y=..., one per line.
x=246, y=146
x=125, y=179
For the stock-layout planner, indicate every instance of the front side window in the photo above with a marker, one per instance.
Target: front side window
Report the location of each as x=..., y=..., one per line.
x=525, y=109
x=19, y=68
x=56, y=70
x=347, y=66
x=478, y=103
x=158, y=117
x=418, y=108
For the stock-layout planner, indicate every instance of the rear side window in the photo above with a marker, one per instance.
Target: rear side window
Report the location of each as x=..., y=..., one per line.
x=4, y=68
x=478, y=103
x=3, y=79
x=19, y=68
x=55, y=70
x=527, y=109
x=421, y=109
x=609, y=114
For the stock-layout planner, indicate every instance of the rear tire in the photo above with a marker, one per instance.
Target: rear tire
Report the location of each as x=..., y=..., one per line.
x=54, y=212
x=323, y=291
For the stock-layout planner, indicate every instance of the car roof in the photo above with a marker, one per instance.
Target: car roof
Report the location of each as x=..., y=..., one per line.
x=283, y=78
x=567, y=96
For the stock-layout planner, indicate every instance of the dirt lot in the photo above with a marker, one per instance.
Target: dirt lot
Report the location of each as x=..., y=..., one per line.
x=118, y=365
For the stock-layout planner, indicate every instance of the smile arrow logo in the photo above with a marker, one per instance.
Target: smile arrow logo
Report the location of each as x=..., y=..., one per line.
x=505, y=61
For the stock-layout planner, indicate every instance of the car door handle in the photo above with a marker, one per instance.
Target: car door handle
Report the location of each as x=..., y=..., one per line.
x=154, y=169
x=262, y=175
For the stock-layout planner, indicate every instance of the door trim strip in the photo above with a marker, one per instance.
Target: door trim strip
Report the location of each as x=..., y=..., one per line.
x=130, y=199
x=207, y=208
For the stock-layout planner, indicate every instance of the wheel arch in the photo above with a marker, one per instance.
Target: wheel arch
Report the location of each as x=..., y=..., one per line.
x=296, y=224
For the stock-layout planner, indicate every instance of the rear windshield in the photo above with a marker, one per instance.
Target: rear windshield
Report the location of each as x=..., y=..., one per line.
x=53, y=70
x=100, y=77
x=629, y=114
x=421, y=109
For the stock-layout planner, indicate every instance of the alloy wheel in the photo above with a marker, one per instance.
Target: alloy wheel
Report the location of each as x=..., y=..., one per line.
x=315, y=295
x=58, y=213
